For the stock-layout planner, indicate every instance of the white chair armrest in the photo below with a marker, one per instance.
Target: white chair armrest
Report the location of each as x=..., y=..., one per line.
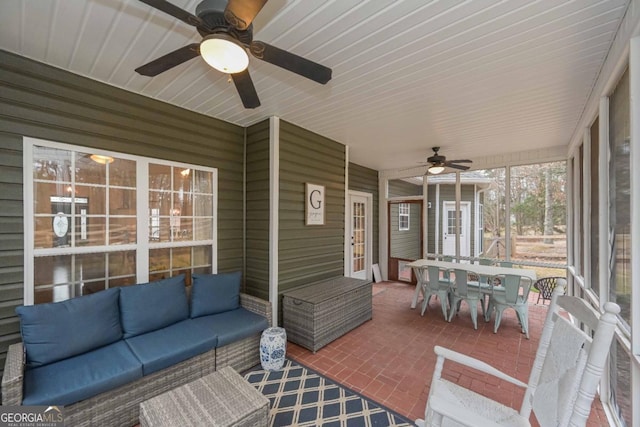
x=476, y=364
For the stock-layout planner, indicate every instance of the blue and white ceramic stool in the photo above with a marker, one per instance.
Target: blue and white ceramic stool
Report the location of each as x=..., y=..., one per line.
x=273, y=348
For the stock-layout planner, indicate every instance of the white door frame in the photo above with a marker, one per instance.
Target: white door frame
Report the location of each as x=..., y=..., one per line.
x=465, y=242
x=368, y=234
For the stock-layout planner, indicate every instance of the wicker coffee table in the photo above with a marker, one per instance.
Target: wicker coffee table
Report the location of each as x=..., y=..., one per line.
x=222, y=398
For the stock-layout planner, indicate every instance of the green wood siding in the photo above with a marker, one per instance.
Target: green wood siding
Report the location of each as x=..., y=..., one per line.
x=12, y=247
x=257, y=222
x=405, y=244
x=366, y=180
x=400, y=188
x=48, y=103
x=309, y=253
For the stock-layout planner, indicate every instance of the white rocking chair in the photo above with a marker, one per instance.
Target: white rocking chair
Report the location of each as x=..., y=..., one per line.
x=563, y=380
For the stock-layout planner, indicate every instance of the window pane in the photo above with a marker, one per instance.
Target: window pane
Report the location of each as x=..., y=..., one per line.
x=202, y=256
x=50, y=197
x=122, y=264
x=182, y=229
x=203, y=229
x=578, y=163
x=122, y=173
x=159, y=260
x=89, y=171
x=203, y=205
x=202, y=182
x=122, y=231
x=594, y=283
x=90, y=266
x=621, y=382
x=159, y=177
x=180, y=258
x=52, y=270
x=91, y=231
x=619, y=193
x=122, y=202
x=182, y=180
x=538, y=213
x=183, y=204
x=92, y=198
x=160, y=201
x=51, y=164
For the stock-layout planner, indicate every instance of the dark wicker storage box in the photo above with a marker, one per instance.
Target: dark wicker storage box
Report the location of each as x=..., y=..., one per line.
x=316, y=314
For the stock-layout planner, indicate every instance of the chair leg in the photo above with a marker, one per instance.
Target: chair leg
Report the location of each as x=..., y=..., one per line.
x=425, y=303
x=487, y=314
x=454, y=308
x=496, y=324
x=444, y=299
x=524, y=320
x=474, y=313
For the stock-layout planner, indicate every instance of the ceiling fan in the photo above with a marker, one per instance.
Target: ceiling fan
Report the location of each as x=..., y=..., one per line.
x=439, y=163
x=227, y=34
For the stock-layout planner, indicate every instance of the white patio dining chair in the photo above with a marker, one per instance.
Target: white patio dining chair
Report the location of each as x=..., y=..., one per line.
x=513, y=293
x=563, y=380
x=467, y=290
x=432, y=285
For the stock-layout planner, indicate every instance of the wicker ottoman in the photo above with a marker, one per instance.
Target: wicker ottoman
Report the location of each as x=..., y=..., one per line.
x=222, y=398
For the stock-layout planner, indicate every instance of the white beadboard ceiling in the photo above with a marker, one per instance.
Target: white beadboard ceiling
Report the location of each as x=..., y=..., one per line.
x=478, y=77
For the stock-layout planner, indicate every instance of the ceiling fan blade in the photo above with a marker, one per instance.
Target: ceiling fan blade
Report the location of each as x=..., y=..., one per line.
x=454, y=166
x=460, y=161
x=240, y=13
x=169, y=60
x=181, y=14
x=289, y=61
x=246, y=89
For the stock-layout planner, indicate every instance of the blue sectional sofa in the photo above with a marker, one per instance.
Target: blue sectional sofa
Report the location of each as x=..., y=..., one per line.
x=102, y=354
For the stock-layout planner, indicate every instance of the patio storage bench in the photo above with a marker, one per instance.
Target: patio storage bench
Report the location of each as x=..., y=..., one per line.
x=318, y=313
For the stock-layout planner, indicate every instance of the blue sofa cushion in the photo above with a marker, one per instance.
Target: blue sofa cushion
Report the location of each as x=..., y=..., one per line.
x=166, y=347
x=59, y=330
x=215, y=293
x=151, y=306
x=81, y=377
x=233, y=325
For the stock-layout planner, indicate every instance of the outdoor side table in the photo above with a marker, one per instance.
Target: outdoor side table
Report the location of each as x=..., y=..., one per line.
x=222, y=398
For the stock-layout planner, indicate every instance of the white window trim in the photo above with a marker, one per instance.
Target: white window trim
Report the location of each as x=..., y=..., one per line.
x=142, y=246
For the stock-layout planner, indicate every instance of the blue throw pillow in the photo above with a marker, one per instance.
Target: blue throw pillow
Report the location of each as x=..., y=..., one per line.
x=215, y=293
x=59, y=330
x=154, y=305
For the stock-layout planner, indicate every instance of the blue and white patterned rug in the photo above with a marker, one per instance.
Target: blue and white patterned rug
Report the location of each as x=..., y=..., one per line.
x=299, y=396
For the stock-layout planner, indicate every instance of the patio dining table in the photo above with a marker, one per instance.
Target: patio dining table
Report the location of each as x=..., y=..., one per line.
x=480, y=270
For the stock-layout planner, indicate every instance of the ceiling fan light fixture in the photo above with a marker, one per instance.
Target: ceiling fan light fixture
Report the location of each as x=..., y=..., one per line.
x=224, y=53
x=435, y=170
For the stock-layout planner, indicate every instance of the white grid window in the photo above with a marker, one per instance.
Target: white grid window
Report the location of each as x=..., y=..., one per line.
x=101, y=220
x=404, y=214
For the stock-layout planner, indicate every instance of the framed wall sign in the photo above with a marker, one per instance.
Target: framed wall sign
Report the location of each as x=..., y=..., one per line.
x=314, y=204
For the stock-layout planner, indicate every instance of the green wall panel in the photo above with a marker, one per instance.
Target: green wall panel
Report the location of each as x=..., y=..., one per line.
x=257, y=209
x=366, y=180
x=309, y=253
x=48, y=103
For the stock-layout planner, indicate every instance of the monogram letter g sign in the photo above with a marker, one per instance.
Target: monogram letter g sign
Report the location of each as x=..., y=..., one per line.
x=314, y=204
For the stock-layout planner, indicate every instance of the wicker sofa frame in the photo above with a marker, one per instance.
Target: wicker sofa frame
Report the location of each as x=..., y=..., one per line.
x=121, y=406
